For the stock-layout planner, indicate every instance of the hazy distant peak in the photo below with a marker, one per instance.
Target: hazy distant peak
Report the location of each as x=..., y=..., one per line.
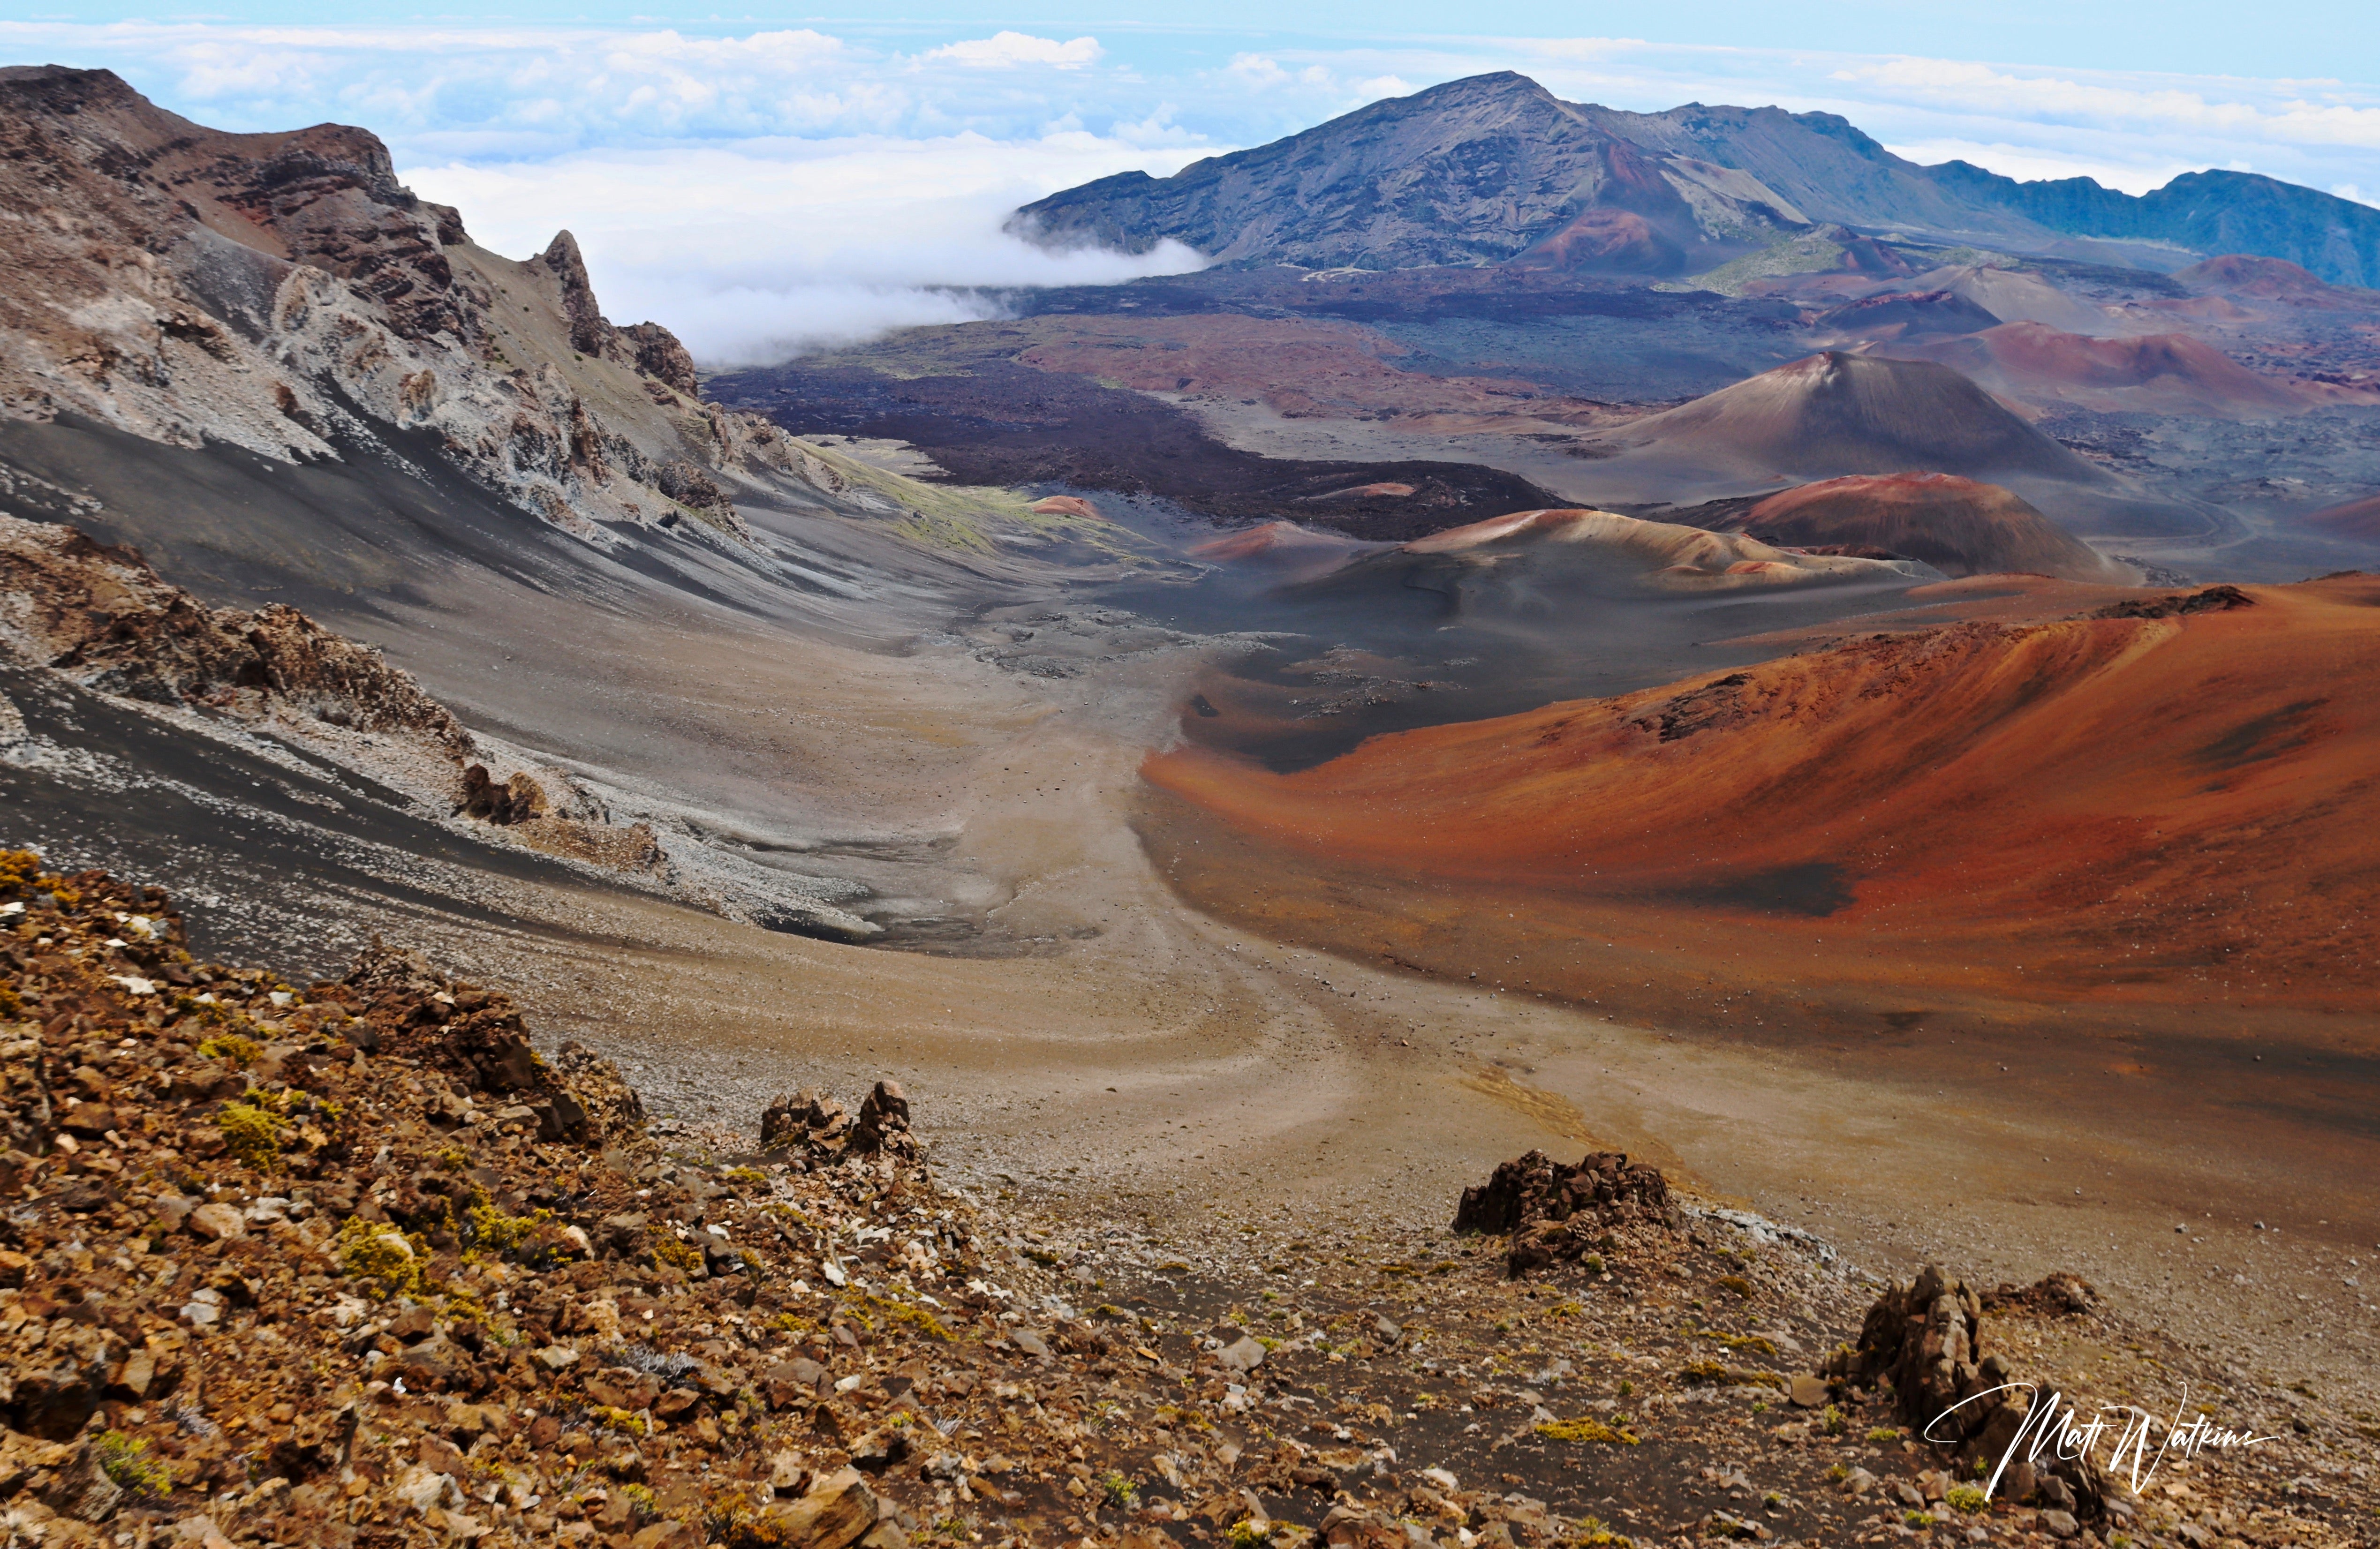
x=1492, y=168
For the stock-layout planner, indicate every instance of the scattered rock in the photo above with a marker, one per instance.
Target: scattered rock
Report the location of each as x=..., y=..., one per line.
x=2061, y=1293
x=215, y=1223
x=2211, y=599
x=1245, y=1354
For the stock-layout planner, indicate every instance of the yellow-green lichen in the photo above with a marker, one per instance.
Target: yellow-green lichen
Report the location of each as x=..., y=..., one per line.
x=383, y=1257
x=253, y=1132
x=126, y=1461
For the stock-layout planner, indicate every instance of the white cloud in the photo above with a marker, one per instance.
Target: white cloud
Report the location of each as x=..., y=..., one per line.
x=1328, y=90
x=1009, y=50
x=755, y=252
x=2284, y=114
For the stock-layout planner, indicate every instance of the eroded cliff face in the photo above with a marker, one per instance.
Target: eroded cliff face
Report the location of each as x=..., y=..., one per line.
x=285, y=293
x=104, y=619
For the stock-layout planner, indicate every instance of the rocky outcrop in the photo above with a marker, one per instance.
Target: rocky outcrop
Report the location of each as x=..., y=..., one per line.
x=285, y=293
x=1561, y=1214
x=1923, y=1345
x=2178, y=605
x=518, y=799
x=809, y=1120
x=817, y=1128
x=102, y=617
x=660, y=357
x=590, y=331
x=883, y=1126
x=406, y=1008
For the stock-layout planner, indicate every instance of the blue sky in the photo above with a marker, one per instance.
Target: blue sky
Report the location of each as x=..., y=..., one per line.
x=761, y=180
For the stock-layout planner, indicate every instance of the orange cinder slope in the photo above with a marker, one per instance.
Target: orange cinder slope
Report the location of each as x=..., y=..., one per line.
x=2184, y=802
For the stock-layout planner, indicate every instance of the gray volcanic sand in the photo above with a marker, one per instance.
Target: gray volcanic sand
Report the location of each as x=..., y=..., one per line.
x=1118, y=1053
x=1131, y=1058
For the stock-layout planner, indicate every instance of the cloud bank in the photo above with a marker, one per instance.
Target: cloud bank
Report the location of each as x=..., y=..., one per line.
x=758, y=251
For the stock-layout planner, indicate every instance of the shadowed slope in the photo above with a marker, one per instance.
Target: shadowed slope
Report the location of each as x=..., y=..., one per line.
x=2168, y=804
x=1958, y=525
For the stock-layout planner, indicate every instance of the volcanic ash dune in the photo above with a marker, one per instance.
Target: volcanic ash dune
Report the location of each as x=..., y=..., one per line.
x=2351, y=519
x=2165, y=772
x=1960, y=527
x=1545, y=561
x=1834, y=413
x=2161, y=374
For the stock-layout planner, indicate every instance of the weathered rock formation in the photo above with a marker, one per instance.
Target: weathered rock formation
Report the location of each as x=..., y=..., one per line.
x=810, y=1119
x=815, y=1127
x=285, y=293
x=1553, y=1212
x=883, y=1127
x=518, y=799
x=102, y=619
x=1923, y=1345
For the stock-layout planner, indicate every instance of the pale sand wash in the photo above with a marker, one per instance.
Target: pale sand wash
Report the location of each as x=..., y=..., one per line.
x=1134, y=1059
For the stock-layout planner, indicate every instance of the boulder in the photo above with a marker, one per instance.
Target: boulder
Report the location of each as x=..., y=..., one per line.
x=216, y=1223
x=808, y=1120
x=1555, y=1212
x=884, y=1123
x=1244, y=1354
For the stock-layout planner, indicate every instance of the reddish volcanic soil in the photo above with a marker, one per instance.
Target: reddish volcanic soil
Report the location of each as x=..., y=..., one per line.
x=2353, y=519
x=1284, y=548
x=2271, y=279
x=2161, y=374
x=2110, y=818
x=1959, y=525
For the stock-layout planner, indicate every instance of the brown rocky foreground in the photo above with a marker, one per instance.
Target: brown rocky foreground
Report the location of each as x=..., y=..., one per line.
x=354, y=1264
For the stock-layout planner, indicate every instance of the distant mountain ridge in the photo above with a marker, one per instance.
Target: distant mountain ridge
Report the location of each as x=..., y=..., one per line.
x=1496, y=169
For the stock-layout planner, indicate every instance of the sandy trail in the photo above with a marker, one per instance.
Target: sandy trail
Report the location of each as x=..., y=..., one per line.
x=1140, y=1059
